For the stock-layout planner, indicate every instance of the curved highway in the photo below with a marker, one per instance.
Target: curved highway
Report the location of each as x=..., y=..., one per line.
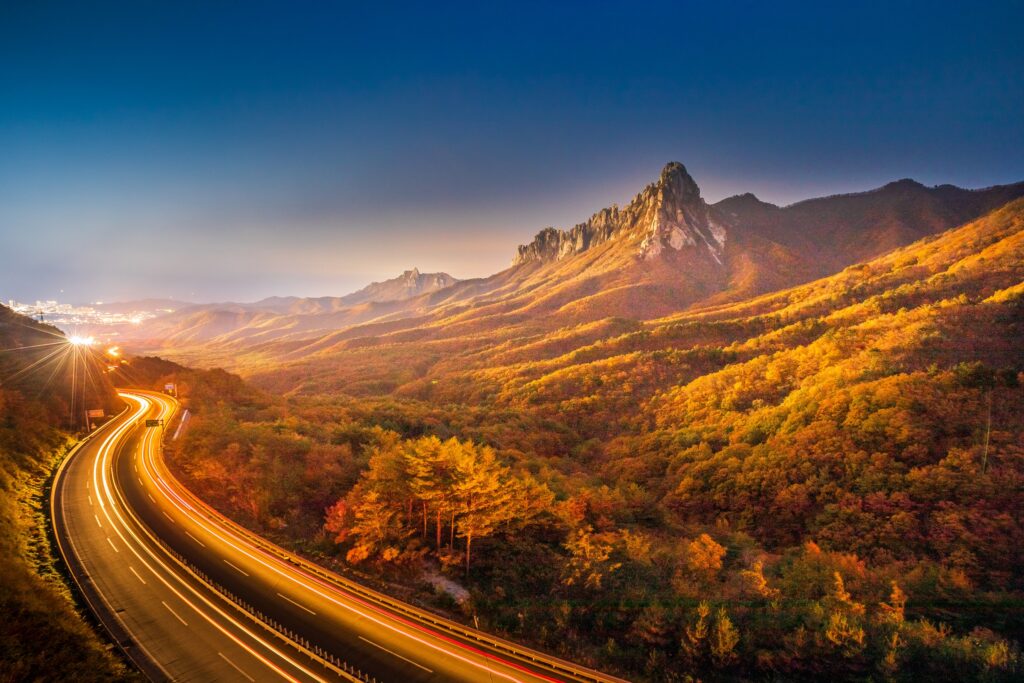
x=189, y=595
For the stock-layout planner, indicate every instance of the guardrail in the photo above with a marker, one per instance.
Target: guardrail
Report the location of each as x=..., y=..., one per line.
x=508, y=648
x=276, y=628
x=116, y=632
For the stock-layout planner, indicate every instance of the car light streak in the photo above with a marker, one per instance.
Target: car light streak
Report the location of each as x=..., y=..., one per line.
x=101, y=483
x=298, y=576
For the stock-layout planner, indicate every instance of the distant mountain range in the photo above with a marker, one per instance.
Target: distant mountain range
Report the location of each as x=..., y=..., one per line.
x=276, y=317
x=666, y=251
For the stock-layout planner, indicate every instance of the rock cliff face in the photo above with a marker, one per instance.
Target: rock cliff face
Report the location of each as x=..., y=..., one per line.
x=669, y=215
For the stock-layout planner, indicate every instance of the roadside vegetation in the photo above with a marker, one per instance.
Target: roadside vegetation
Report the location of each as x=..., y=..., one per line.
x=824, y=481
x=43, y=635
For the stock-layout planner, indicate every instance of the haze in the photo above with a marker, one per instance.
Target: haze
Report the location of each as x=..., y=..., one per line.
x=241, y=152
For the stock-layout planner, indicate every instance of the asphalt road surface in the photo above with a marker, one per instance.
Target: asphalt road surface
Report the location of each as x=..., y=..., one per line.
x=190, y=595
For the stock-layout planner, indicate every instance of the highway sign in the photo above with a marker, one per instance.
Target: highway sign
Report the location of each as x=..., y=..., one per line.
x=96, y=413
x=154, y=423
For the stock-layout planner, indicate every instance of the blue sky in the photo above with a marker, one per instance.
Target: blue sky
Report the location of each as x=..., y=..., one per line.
x=213, y=151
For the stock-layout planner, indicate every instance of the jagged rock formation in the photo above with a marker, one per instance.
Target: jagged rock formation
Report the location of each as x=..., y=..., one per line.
x=668, y=214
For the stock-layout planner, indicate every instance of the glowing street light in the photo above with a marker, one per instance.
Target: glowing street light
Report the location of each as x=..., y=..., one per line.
x=81, y=341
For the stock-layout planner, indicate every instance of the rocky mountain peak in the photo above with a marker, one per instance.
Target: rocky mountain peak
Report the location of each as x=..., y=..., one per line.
x=667, y=216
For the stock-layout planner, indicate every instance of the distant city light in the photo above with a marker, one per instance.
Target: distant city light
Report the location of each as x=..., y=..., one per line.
x=84, y=318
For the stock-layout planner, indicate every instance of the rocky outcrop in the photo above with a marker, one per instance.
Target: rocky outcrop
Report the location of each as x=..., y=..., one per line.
x=409, y=284
x=669, y=215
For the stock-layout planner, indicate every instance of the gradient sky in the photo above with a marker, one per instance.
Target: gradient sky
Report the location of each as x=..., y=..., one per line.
x=211, y=151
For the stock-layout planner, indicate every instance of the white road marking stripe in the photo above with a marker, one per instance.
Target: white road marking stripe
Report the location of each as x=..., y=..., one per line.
x=90, y=500
x=235, y=568
x=195, y=539
x=112, y=544
x=137, y=574
x=173, y=612
x=168, y=516
x=236, y=667
x=98, y=521
x=150, y=498
x=296, y=604
x=430, y=671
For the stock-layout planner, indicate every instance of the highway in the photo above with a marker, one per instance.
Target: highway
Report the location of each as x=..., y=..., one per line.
x=189, y=595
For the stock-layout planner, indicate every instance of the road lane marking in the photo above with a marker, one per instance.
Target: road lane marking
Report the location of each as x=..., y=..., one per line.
x=115, y=498
x=169, y=517
x=236, y=568
x=308, y=581
x=137, y=575
x=98, y=521
x=140, y=482
x=90, y=500
x=391, y=652
x=112, y=544
x=221, y=654
x=274, y=564
x=173, y=612
x=150, y=498
x=195, y=539
x=297, y=604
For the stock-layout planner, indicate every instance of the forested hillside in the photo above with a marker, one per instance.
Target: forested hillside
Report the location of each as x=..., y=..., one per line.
x=43, y=636
x=825, y=480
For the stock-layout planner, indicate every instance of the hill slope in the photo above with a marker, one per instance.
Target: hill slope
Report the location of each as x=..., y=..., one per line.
x=43, y=637
x=827, y=477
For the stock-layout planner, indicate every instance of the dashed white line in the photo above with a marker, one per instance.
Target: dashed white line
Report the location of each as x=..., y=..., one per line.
x=169, y=517
x=235, y=568
x=221, y=654
x=150, y=498
x=90, y=500
x=112, y=544
x=137, y=574
x=173, y=612
x=296, y=604
x=98, y=522
x=195, y=539
x=430, y=671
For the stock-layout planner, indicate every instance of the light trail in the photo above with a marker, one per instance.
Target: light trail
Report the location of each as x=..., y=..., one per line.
x=101, y=482
x=314, y=584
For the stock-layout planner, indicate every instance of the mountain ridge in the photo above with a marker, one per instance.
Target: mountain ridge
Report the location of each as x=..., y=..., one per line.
x=666, y=251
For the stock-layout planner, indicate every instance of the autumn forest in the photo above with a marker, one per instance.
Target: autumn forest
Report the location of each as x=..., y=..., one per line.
x=824, y=479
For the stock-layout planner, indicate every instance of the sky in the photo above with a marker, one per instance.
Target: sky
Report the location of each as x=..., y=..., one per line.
x=229, y=151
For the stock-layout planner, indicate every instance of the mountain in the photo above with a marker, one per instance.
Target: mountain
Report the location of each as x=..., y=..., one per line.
x=668, y=250
x=409, y=284
x=276, y=317
x=666, y=215
x=832, y=232
x=488, y=352
x=835, y=467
